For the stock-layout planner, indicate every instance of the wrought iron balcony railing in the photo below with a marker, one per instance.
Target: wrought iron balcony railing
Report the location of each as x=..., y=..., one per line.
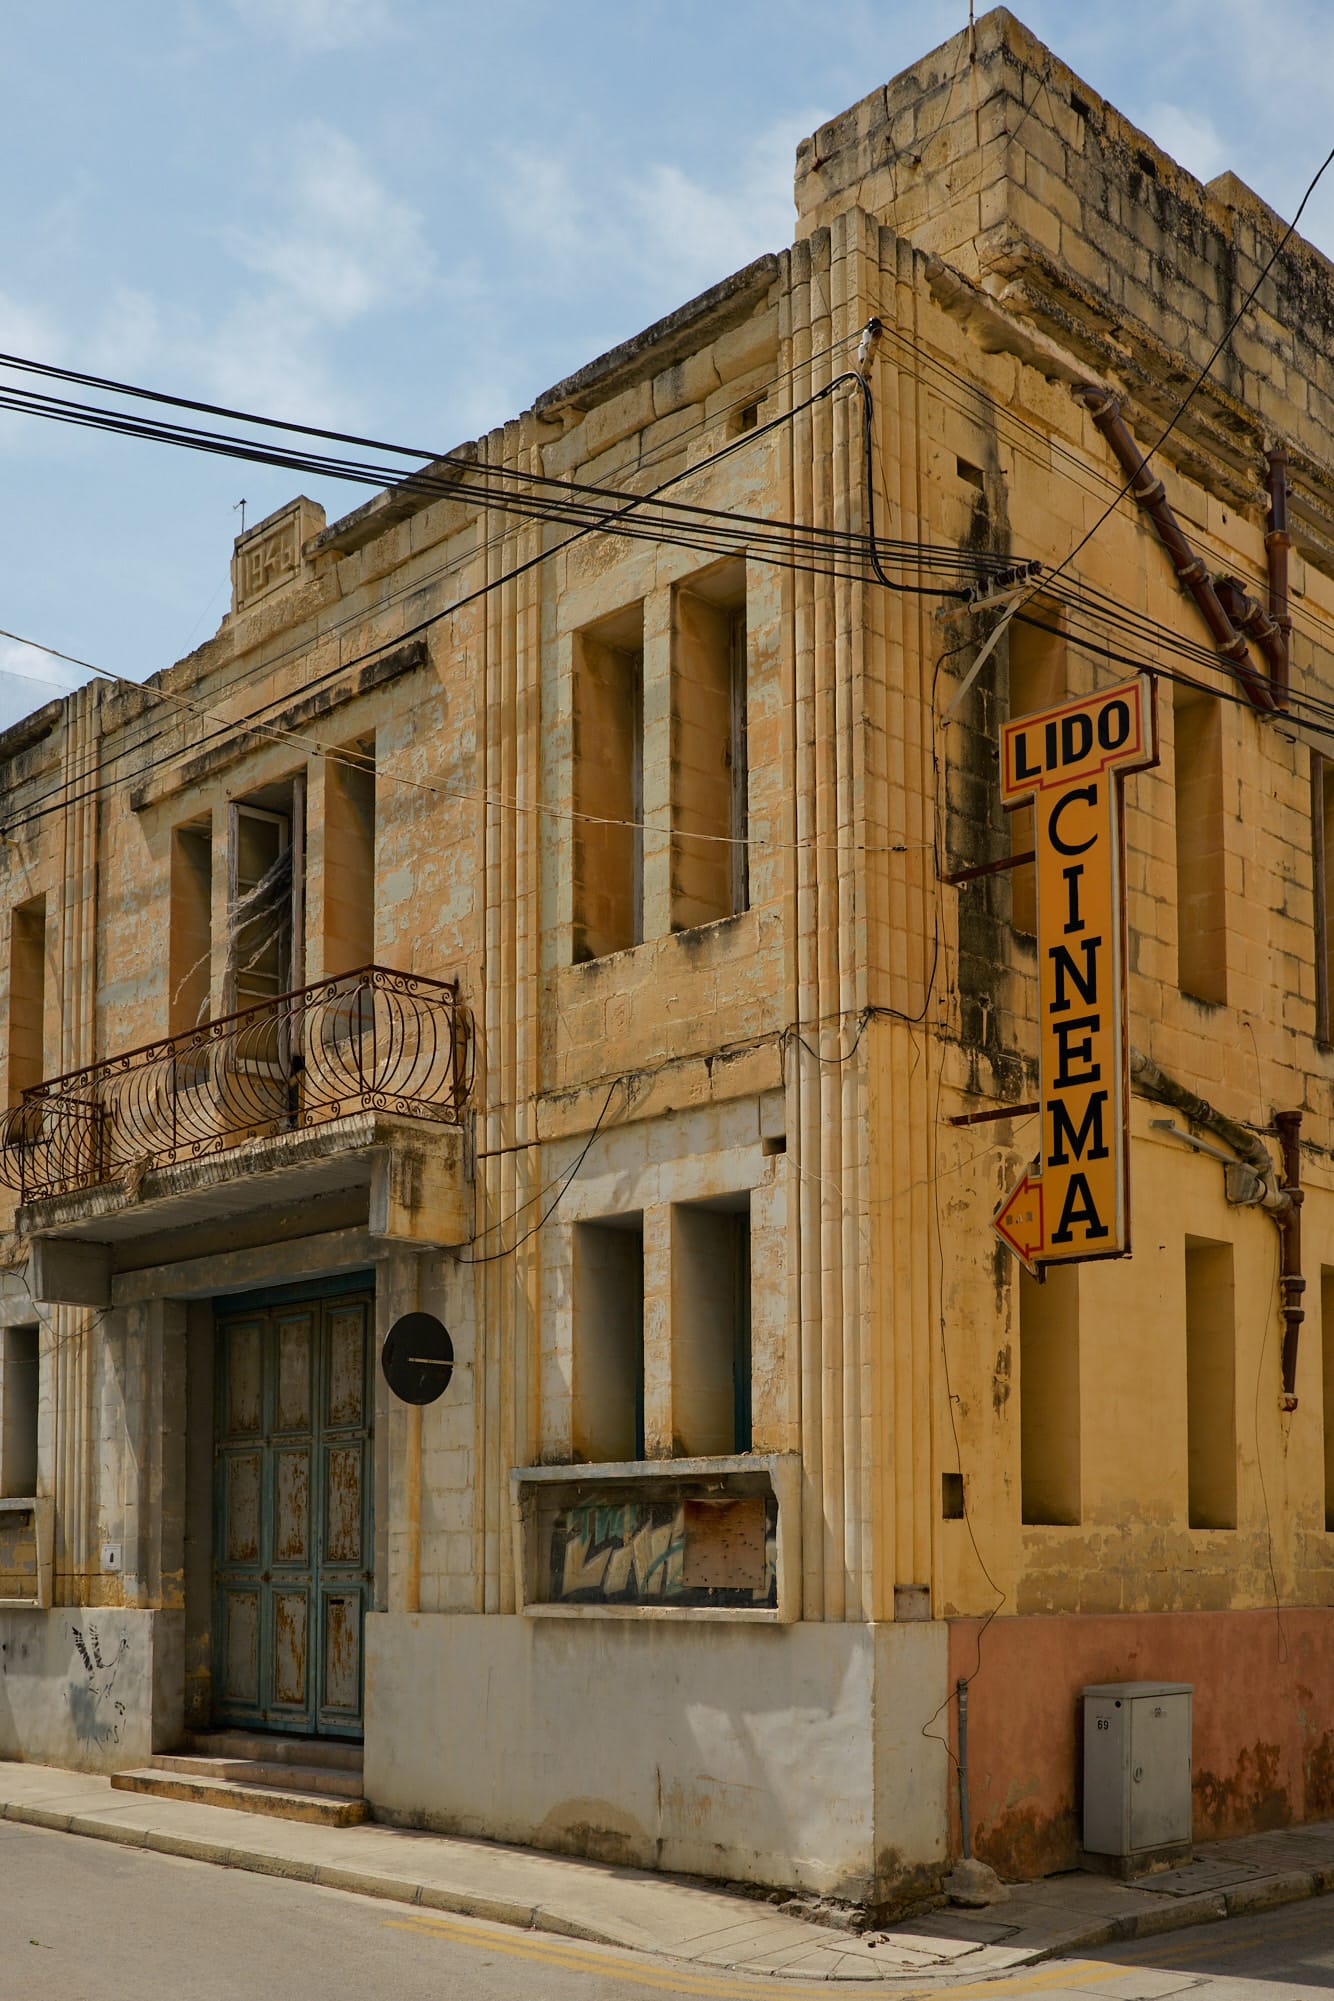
x=371, y=1040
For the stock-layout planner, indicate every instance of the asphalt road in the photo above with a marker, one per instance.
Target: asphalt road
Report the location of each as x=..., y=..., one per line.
x=1291, y=1948
x=85, y=1920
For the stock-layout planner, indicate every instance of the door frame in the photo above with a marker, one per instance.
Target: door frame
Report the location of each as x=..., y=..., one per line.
x=268, y=1301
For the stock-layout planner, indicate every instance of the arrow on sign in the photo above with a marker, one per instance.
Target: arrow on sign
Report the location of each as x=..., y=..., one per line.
x=1019, y=1223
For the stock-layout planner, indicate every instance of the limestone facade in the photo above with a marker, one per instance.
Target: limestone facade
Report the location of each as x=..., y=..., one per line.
x=757, y=1440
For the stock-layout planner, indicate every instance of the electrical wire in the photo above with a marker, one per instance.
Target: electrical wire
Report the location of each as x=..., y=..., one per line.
x=231, y=724
x=561, y=500
x=1050, y=578
x=1048, y=454
x=414, y=588
x=668, y=449
x=562, y=1185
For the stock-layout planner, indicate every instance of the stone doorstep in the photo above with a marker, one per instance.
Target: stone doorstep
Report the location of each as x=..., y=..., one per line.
x=284, y=1775
x=281, y=1802
x=332, y=1753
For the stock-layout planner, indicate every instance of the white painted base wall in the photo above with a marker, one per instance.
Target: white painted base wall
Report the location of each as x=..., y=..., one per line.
x=766, y=1754
x=82, y=1688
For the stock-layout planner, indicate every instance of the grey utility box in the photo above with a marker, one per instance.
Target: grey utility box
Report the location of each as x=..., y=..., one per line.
x=1137, y=1770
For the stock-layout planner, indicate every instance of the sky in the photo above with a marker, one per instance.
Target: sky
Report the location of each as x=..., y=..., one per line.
x=406, y=218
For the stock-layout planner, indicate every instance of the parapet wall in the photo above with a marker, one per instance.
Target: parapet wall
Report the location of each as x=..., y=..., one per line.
x=993, y=156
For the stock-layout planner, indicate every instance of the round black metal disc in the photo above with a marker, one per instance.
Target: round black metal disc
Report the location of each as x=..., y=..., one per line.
x=417, y=1358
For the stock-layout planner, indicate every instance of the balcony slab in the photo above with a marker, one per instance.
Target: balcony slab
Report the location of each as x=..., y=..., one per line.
x=403, y=1179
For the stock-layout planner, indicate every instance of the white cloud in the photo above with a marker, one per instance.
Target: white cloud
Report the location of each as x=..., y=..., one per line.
x=675, y=230
x=129, y=335
x=317, y=27
x=30, y=663
x=347, y=246
x=705, y=230
x=29, y=679
x=340, y=246
x=541, y=205
x=263, y=354
x=1191, y=137
x=25, y=330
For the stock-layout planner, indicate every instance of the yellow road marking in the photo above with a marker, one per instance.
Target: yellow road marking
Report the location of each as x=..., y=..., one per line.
x=589, y=1959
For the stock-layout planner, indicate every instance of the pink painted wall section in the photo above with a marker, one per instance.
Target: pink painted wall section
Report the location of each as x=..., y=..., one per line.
x=1264, y=1721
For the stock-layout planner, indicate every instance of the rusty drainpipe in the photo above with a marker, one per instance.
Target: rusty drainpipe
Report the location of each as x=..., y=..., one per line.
x=1151, y=495
x=1249, y=616
x=1291, y=1282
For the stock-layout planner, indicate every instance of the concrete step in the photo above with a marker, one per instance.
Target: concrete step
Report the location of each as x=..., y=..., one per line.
x=318, y=1809
x=328, y=1779
x=265, y=1749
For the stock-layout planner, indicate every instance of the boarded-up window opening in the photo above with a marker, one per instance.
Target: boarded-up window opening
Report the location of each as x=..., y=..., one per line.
x=608, y=744
x=27, y=997
x=1211, y=1398
x=190, y=941
x=711, y=1335
x=1049, y=1411
x=1201, y=861
x=18, y=1435
x=607, y=1416
x=1038, y=680
x=349, y=863
x=710, y=873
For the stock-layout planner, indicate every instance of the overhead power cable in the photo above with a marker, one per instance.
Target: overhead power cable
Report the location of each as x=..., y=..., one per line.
x=645, y=461
x=65, y=798
x=506, y=488
x=1200, y=377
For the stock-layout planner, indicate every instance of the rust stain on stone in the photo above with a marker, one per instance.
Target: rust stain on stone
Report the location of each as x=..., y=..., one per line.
x=1250, y=1799
x=1318, y=1772
x=1024, y=1842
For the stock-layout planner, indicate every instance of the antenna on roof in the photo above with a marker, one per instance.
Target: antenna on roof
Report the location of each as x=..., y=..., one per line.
x=241, y=504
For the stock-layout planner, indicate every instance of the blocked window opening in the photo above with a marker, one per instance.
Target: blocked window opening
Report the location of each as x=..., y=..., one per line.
x=266, y=894
x=711, y=1348
x=1327, y=1373
x=710, y=876
x=1322, y=856
x=607, y=1417
x=349, y=861
x=1038, y=680
x=1211, y=1400
x=190, y=927
x=18, y=1431
x=609, y=785
x=951, y=1497
x=1049, y=1421
x=27, y=997
x=1201, y=881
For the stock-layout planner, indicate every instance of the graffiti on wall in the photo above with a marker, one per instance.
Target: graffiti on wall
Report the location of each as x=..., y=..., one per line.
x=637, y=1550
x=95, y=1709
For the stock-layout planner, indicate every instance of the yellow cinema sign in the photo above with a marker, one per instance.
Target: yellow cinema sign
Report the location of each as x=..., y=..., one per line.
x=1075, y=1202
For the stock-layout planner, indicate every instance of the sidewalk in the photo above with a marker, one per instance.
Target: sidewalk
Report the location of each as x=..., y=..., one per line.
x=679, y=1917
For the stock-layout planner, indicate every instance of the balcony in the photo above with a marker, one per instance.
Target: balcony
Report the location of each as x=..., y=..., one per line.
x=181, y=1130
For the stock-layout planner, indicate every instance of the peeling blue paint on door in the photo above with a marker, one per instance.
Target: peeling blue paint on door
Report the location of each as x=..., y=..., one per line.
x=292, y=1550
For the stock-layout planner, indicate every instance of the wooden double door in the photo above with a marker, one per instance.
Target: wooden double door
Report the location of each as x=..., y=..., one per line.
x=292, y=1522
